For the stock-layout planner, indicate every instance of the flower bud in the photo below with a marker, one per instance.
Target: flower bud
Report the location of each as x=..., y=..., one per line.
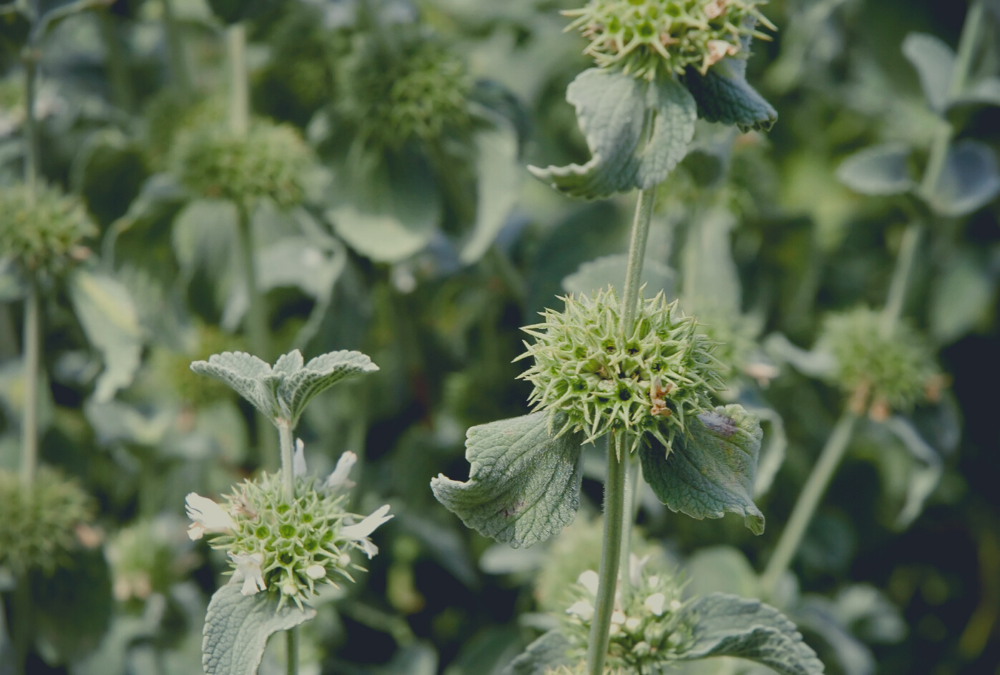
x=41, y=232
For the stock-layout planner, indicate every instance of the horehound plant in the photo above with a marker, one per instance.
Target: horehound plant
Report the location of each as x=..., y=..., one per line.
x=632, y=373
x=285, y=533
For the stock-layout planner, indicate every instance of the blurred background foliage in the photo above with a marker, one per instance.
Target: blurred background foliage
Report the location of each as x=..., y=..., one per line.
x=392, y=213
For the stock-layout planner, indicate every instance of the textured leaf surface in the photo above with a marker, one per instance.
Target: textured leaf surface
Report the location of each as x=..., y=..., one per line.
x=524, y=485
x=612, y=109
x=723, y=95
x=302, y=384
x=969, y=180
x=247, y=375
x=879, y=170
x=728, y=625
x=237, y=628
x=934, y=62
x=711, y=469
x=109, y=318
x=544, y=654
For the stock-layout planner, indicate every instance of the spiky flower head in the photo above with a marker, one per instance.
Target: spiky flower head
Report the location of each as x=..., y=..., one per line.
x=268, y=161
x=649, y=382
x=648, y=37
x=42, y=231
x=880, y=371
x=581, y=669
x=147, y=557
x=649, y=624
x=38, y=529
x=283, y=547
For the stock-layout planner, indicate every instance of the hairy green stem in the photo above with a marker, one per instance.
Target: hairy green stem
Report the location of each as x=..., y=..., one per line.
x=628, y=516
x=805, y=507
x=32, y=346
x=287, y=463
x=292, y=647
x=905, y=262
x=636, y=257
x=239, y=83
x=176, y=56
x=614, y=507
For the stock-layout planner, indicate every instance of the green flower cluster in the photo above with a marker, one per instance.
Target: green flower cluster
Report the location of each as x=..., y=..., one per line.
x=41, y=231
x=581, y=669
x=880, y=372
x=648, y=383
x=646, y=37
x=269, y=161
x=39, y=524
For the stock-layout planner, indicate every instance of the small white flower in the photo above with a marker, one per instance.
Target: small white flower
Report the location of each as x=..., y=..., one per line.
x=618, y=617
x=590, y=581
x=289, y=589
x=655, y=603
x=299, y=459
x=248, y=569
x=339, y=477
x=208, y=517
x=654, y=581
x=632, y=624
x=582, y=609
x=635, y=565
x=675, y=605
x=360, y=531
x=315, y=571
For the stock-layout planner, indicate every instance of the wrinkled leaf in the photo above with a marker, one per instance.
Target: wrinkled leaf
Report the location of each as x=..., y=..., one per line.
x=934, y=62
x=724, y=95
x=969, y=180
x=772, y=454
x=524, y=484
x=237, y=628
x=613, y=110
x=710, y=469
x=610, y=270
x=879, y=170
x=544, y=654
x=727, y=625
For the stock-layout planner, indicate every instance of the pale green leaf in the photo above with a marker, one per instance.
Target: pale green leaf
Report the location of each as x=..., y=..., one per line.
x=711, y=468
x=934, y=62
x=723, y=95
x=879, y=170
x=247, y=375
x=610, y=270
x=524, y=484
x=711, y=281
x=613, y=110
x=961, y=299
x=237, y=628
x=728, y=625
x=544, y=654
x=204, y=238
x=969, y=180
x=721, y=569
x=111, y=323
x=924, y=475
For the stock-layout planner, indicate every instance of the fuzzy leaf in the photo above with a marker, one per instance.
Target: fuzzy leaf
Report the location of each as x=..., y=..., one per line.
x=879, y=170
x=934, y=62
x=542, y=655
x=303, y=383
x=109, y=318
x=237, y=628
x=710, y=470
x=247, y=375
x=612, y=109
x=728, y=625
x=724, y=95
x=524, y=485
x=969, y=180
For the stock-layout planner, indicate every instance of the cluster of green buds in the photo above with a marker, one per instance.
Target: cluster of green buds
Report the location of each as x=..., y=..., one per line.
x=647, y=37
x=147, y=557
x=879, y=371
x=42, y=230
x=649, y=623
x=288, y=547
x=648, y=383
x=41, y=524
x=268, y=161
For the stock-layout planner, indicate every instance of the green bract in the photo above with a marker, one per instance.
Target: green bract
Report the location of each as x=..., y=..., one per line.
x=649, y=383
x=38, y=526
x=269, y=161
x=41, y=231
x=645, y=37
x=881, y=372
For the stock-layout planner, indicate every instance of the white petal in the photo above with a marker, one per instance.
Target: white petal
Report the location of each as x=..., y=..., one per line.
x=196, y=531
x=299, y=459
x=206, y=513
x=632, y=624
x=248, y=569
x=635, y=565
x=655, y=602
x=582, y=609
x=370, y=549
x=366, y=526
x=618, y=617
x=315, y=571
x=339, y=477
x=589, y=580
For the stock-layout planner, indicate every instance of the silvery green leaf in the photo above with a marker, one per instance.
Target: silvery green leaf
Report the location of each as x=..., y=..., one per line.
x=711, y=468
x=772, y=454
x=963, y=296
x=237, y=628
x=301, y=383
x=613, y=110
x=524, y=484
x=969, y=180
x=610, y=270
x=711, y=281
x=723, y=95
x=727, y=625
x=814, y=363
x=114, y=421
x=722, y=569
x=879, y=170
x=204, y=238
x=544, y=654
x=815, y=616
x=924, y=476
x=247, y=375
x=934, y=62
x=111, y=323
x=419, y=658
x=869, y=613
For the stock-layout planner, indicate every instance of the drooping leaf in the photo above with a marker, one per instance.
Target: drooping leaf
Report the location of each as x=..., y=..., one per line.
x=723, y=95
x=711, y=468
x=924, y=476
x=934, y=62
x=524, y=485
x=610, y=270
x=969, y=180
x=879, y=170
x=237, y=628
x=205, y=241
x=772, y=454
x=728, y=625
x=109, y=319
x=613, y=110
x=544, y=654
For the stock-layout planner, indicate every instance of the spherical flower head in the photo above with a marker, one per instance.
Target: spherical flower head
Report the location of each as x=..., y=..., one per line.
x=650, y=382
x=42, y=232
x=880, y=372
x=268, y=161
x=39, y=526
x=580, y=668
x=648, y=37
x=282, y=547
x=649, y=624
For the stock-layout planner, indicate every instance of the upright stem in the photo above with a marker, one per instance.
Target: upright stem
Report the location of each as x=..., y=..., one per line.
x=628, y=517
x=805, y=507
x=614, y=507
x=636, y=257
x=30, y=59
x=288, y=485
x=292, y=647
x=239, y=83
x=901, y=278
x=175, y=52
x=32, y=358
